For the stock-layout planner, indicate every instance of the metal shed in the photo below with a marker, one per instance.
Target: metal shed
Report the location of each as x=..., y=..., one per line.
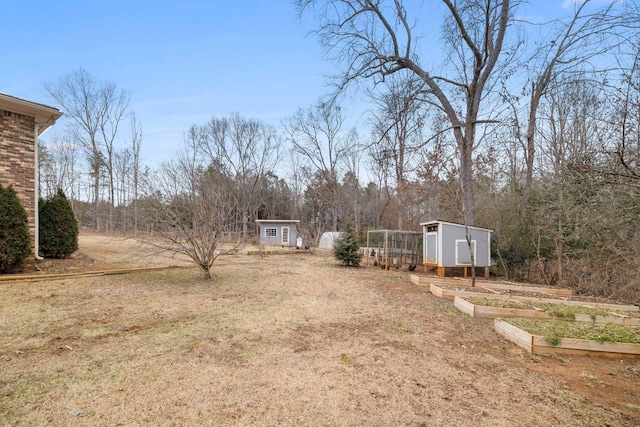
x=446, y=247
x=281, y=232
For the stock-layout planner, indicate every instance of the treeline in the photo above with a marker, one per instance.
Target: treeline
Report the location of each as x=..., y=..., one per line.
x=580, y=228
x=534, y=134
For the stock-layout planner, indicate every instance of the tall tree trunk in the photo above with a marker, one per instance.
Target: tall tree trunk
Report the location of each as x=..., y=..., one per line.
x=466, y=183
x=560, y=238
x=96, y=190
x=536, y=94
x=245, y=226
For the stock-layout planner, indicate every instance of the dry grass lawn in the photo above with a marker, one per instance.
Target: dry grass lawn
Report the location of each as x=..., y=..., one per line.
x=290, y=340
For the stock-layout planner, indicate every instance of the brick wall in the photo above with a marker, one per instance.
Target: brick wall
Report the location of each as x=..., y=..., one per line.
x=17, y=161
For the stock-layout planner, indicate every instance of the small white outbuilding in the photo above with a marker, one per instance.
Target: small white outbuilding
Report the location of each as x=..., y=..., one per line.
x=446, y=247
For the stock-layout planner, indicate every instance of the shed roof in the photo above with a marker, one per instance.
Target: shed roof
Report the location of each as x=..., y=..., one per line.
x=437, y=221
x=44, y=115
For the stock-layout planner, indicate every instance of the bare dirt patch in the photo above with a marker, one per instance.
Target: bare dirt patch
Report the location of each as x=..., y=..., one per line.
x=278, y=340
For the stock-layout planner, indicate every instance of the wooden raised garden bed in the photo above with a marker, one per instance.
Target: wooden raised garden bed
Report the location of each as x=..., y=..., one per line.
x=427, y=280
x=450, y=292
x=527, y=288
x=493, y=308
x=466, y=283
x=516, y=309
x=600, y=346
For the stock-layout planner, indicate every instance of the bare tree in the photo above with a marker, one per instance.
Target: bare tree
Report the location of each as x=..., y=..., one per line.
x=49, y=175
x=93, y=110
x=297, y=180
x=122, y=160
x=570, y=142
x=249, y=151
x=115, y=106
x=77, y=94
x=397, y=133
x=374, y=39
x=582, y=46
x=351, y=188
x=623, y=165
x=570, y=46
x=58, y=168
x=136, y=145
x=317, y=135
x=190, y=216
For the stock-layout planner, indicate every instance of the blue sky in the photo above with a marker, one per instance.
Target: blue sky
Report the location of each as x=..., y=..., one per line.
x=182, y=61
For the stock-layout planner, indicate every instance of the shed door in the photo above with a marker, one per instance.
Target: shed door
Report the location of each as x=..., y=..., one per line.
x=285, y=235
x=432, y=248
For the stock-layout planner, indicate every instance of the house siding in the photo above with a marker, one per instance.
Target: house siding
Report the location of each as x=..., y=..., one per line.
x=17, y=160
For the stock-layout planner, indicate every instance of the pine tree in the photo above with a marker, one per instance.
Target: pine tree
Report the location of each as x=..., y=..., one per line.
x=346, y=250
x=15, y=243
x=58, y=227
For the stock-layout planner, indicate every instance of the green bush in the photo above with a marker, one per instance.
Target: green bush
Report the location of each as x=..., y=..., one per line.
x=346, y=250
x=15, y=243
x=58, y=227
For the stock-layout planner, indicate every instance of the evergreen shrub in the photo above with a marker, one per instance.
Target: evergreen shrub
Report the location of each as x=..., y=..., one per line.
x=15, y=242
x=346, y=249
x=58, y=227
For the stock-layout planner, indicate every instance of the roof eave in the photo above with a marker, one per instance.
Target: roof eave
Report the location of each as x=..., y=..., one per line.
x=437, y=221
x=44, y=115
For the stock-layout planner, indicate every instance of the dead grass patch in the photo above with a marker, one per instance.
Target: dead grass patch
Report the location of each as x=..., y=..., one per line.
x=279, y=340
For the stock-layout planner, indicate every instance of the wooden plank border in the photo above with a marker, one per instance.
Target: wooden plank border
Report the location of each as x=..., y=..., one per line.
x=475, y=310
x=515, y=335
x=426, y=281
x=279, y=252
x=451, y=294
x=497, y=312
x=536, y=344
x=89, y=273
x=612, y=320
x=541, y=289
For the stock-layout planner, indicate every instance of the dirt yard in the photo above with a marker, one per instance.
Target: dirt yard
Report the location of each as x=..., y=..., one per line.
x=280, y=340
